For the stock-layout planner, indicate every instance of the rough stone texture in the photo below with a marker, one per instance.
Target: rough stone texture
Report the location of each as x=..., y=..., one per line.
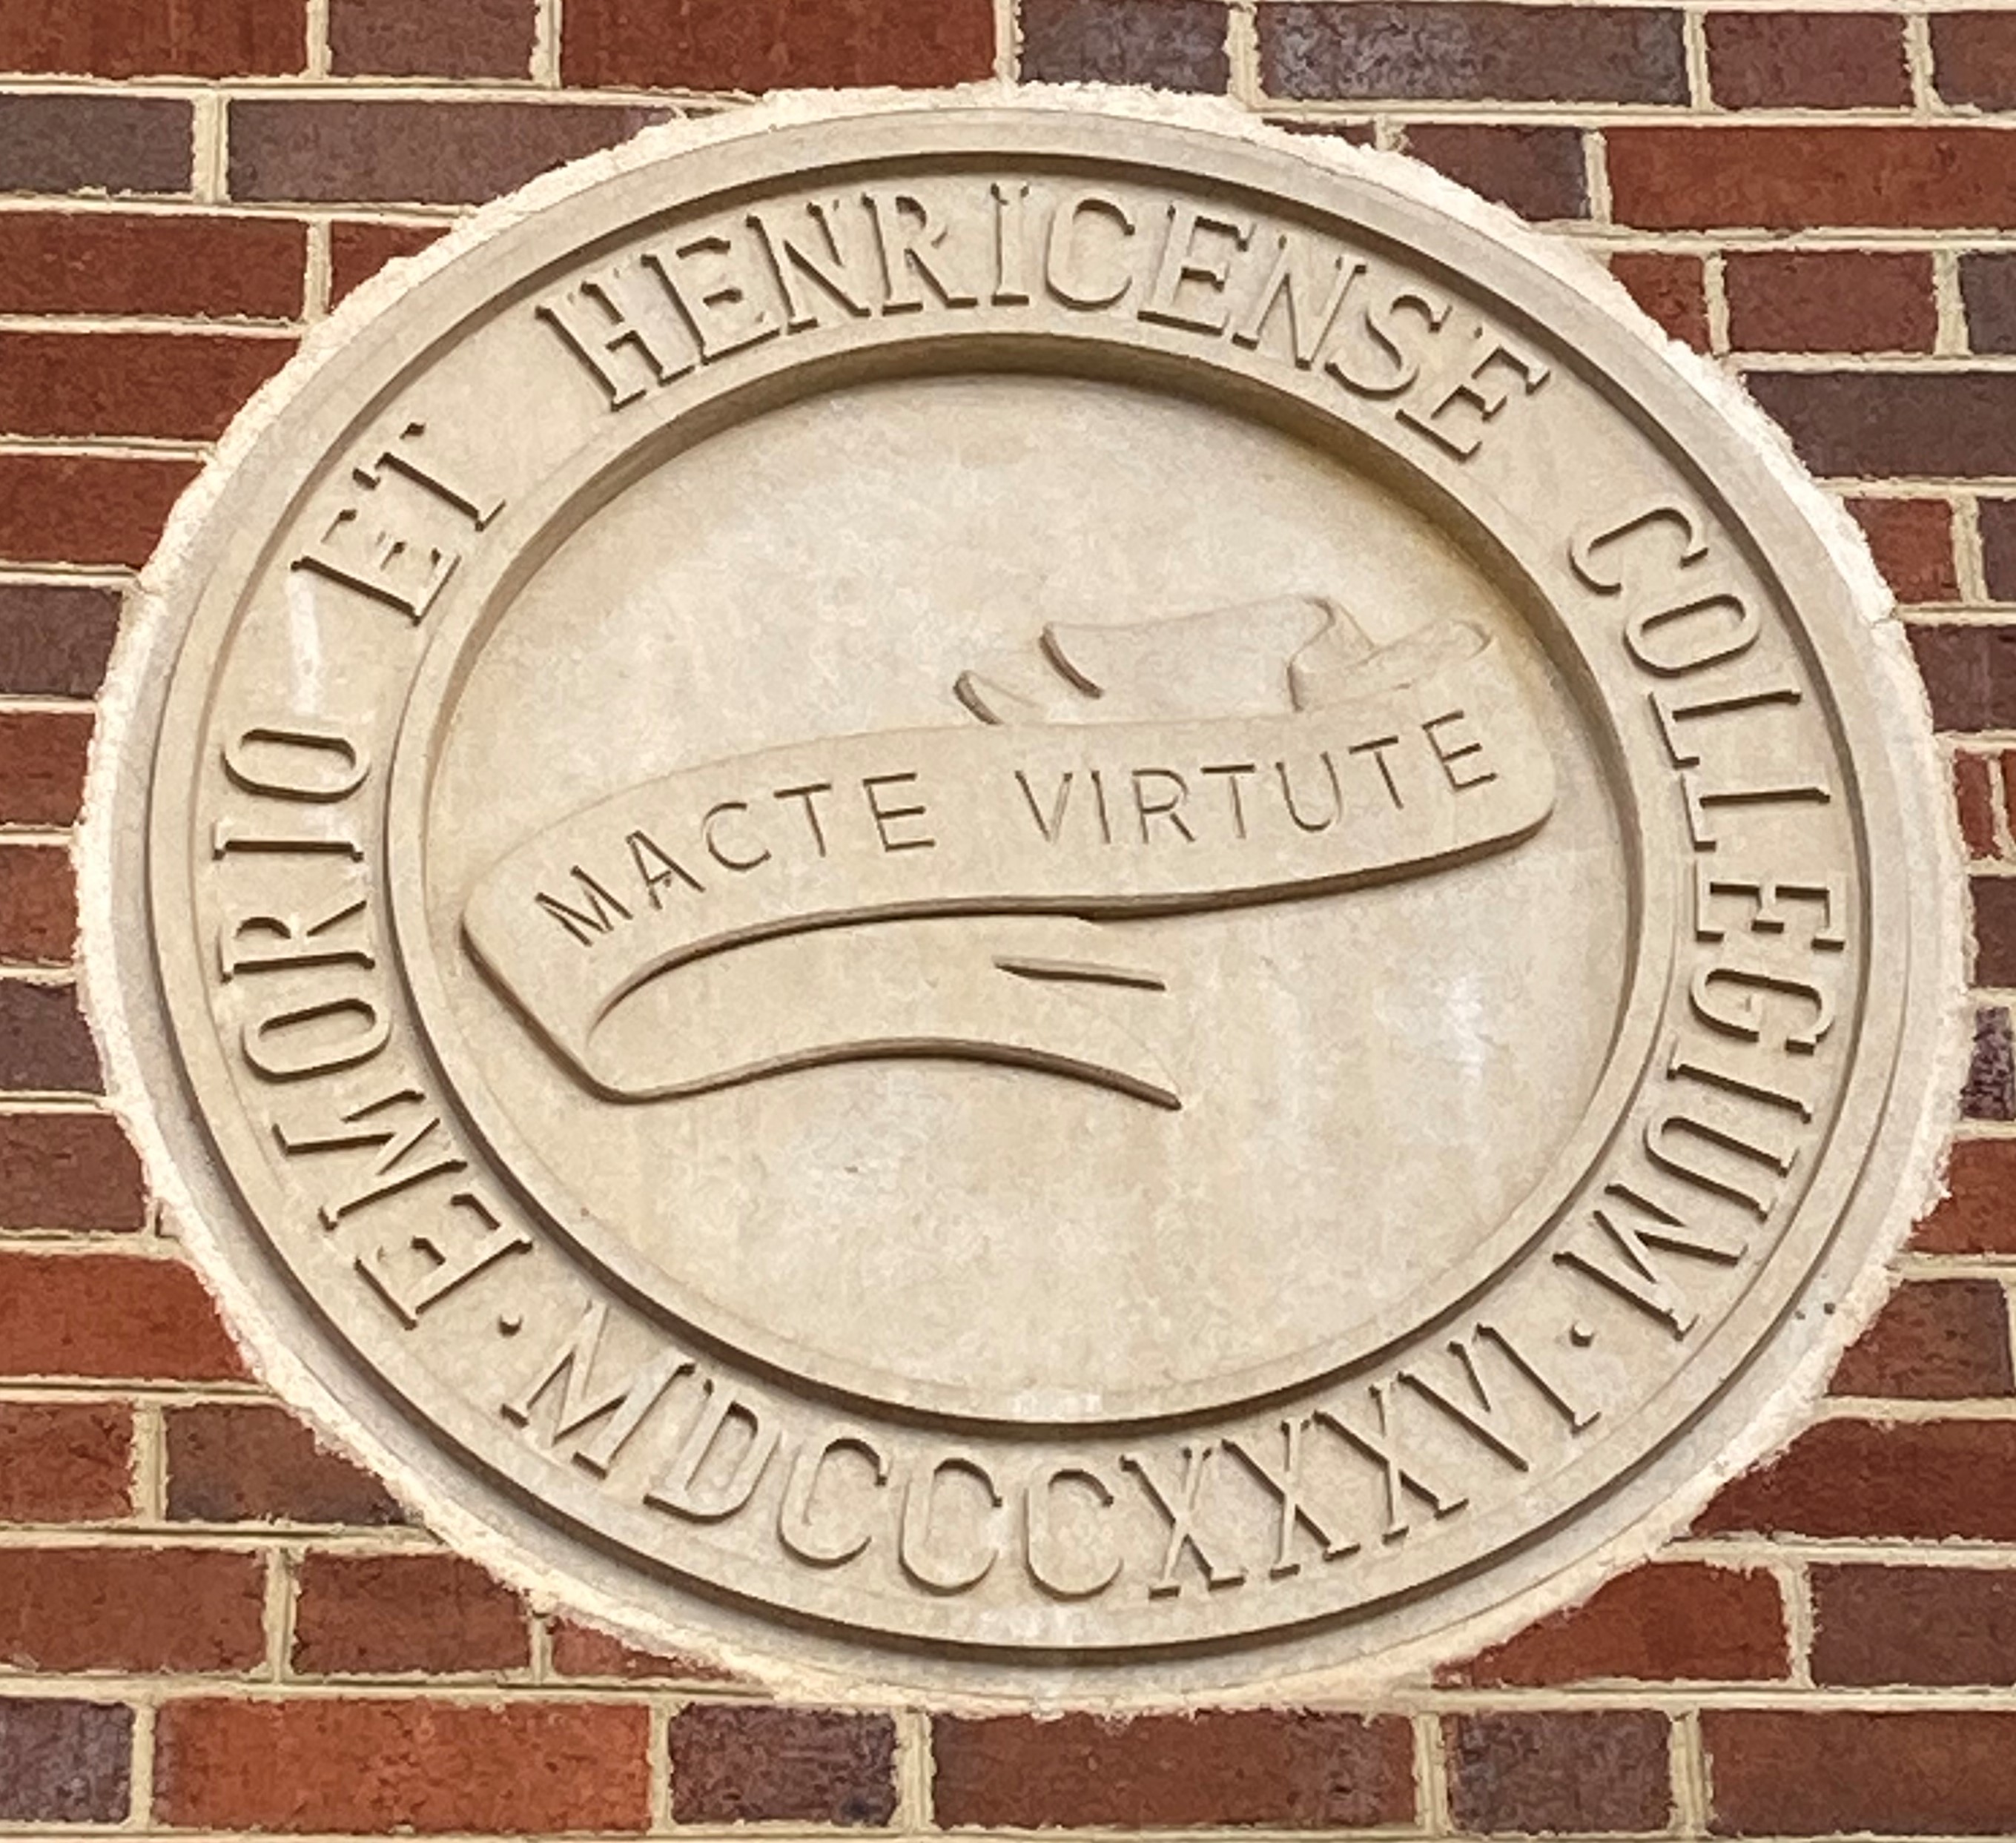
x=1294, y=1769
x=66, y=1462
x=741, y=1765
x=54, y=638
x=1544, y=1772
x=1173, y=43
x=1830, y=300
x=180, y=1609
x=68, y=1171
x=1878, y=1626
x=1540, y=172
x=381, y=1615
x=63, y=1761
x=240, y=1462
x=446, y=38
x=1944, y=1339
x=1807, y=60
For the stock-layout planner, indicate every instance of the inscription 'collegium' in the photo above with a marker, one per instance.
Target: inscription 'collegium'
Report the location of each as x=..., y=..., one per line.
x=1025, y=898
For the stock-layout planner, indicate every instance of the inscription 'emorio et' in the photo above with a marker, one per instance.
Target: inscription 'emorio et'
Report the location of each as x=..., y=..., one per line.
x=1035, y=902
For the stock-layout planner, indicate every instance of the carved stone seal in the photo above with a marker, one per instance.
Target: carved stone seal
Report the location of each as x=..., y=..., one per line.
x=1024, y=895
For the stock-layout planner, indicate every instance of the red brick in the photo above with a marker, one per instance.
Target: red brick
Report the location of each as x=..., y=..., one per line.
x=1544, y=1772
x=1994, y=930
x=1970, y=675
x=1462, y=51
x=734, y=1763
x=1987, y=295
x=1973, y=58
x=1674, y=1622
x=103, y=143
x=1806, y=1772
x=66, y=1462
x=377, y=1765
x=246, y=1462
x=55, y=637
x=1978, y=1214
x=443, y=39
x=117, y=262
x=391, y=152
x=176, y=385
x=379, y=1615
x=1807, y=60
x=1538, y=171
x=1989, y=1091
x=1926, y=1481
x=1673, y=289
x=581, y=1650
x=357, y=251
x=108, y=1316
x=1293, y=1768
x=45, y=1046
x=37, y=904
x=1874, y=1626
x=85, y=509
x=760, y=45
x=42, y=757
x=1955, y=424
x=155, y=38
x=1172, y=43
x=1940, y=1339
x=1996, y=521
x=1830, y=300
x=1975, y=798
x=64, y=1762
x=1913, y=544
x=132, y=1609
x=68, y=1171
x=1791, y=178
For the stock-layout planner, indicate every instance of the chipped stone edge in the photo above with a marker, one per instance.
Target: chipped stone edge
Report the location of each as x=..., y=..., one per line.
x=1932, y=845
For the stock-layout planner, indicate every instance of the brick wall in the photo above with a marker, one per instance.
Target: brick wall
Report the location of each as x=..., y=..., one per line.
x=207, y=1625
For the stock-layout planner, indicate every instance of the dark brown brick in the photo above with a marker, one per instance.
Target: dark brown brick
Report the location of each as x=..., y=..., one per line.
x=1172, y=43
x=1672, y=289
x=345, y=1764
x=1807, y=60
x=1989, y=1091
x=1929, y=1481
x=132, y=1609
x=110, y=1316
x=1293, y=1768
x=1973, y=58
x=1987, y=294
x=1931, y=1625
x=1670, y=1623
x=1978, y=1214
x=1922, y=1772
x=1912, y=542
x=42, y=758
x=1358, y=134
x=45, y=1045
x=1940, y=1339
x=184, y=387
x=1538, y=171
x=118, y=262
x=1791, y=178
x=433, y=153
x=760, y=45
x=377, y=1615
x=37, y=904
x=1970, y=675
x=64, y=1762
x=1830, y=300
x=1994, y=930
x=1471, y=53
x=68, y=1171
x=581, y=1650
x=1544, y=1773
x=85, y=509
x=357, y=251
x=1960, y=425
x=66, y=1462
x=53, y=143
x=1996, y=520
x=444, y=38
x=55, y=638
x=734, y=1763
x=246, y=1462
x=155, y=38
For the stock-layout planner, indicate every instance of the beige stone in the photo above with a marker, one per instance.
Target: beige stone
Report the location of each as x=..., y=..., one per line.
x=1034, y=898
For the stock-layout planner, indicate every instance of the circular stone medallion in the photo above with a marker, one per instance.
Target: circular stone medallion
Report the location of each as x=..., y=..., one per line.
x=1025, y=897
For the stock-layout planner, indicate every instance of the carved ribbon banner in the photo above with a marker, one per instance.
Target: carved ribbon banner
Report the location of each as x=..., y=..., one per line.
x=965, y=892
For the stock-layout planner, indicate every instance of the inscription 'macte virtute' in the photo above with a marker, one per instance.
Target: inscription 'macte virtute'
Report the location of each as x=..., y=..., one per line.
x=690, y=770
